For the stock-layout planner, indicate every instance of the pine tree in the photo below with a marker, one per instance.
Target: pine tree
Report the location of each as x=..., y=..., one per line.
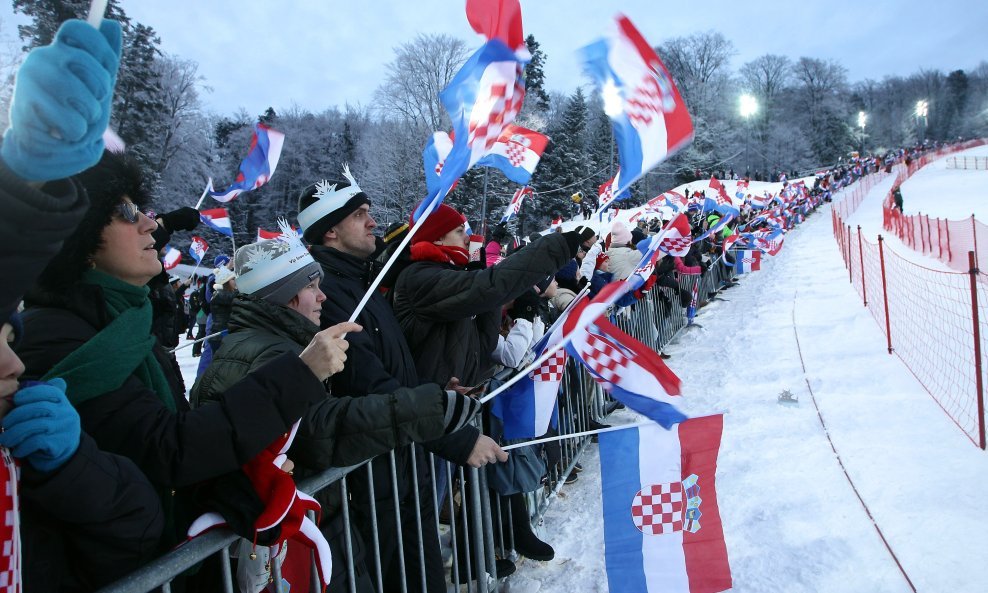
x=566, y=164
x=536, y=98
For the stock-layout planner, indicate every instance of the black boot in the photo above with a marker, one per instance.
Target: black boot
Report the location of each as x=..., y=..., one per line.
x=527, y=543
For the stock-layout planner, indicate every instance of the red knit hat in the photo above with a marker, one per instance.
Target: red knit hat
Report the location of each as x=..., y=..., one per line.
x=442, y=220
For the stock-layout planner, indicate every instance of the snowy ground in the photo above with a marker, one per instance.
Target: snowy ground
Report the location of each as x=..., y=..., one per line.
x=792, y=520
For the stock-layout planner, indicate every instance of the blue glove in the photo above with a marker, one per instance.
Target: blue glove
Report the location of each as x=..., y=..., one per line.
x=43, y=427
x=61, y=103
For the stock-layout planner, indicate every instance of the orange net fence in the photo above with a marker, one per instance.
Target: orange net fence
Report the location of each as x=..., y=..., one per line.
x=934, y=321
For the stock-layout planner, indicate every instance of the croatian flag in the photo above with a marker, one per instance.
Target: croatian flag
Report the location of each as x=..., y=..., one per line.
x=676, y=238
x=198, y=248
x=607, y=192
x=747, y=261
x=514, y=207
x=670, y=199
x=528, y=407
x=434, y=157
x=662, y=525
x=484, y=97
x=263, y=234
x=217, y=219
x=516, y=153
x=172, y=257
x=760, y=201
x=630, y=371
x=259, y=164
x=649, y=117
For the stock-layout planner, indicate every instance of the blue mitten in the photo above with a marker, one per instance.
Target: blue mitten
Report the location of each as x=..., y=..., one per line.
x=43, y=427
x=61, y=103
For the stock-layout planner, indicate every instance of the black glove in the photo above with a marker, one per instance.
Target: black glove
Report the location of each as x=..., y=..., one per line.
x=525, y=306
x=460, y=409
x=583, y=282
x=183, y=219
x=234, y=498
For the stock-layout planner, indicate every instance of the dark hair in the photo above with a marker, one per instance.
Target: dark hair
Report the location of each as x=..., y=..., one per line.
x=106, y=183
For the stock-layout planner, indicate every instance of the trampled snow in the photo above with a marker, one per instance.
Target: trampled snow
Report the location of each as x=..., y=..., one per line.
x=792, y=520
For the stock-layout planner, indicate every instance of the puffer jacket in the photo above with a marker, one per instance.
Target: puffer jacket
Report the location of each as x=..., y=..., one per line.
x=623, y=260
x=338, y=430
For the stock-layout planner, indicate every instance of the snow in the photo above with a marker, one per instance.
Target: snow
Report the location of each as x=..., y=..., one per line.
x=792, y=520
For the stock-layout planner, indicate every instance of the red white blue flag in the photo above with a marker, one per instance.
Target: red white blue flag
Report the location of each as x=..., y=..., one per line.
x=746, y=260
x=630, y=371
x=259, y=164
x=662, y=525
x=198, y=248
x=217, y=219
x=516, y=153
x=649, y=117
x=514, y=207
x=434, y=159
x=607, y=192
x=172, y=257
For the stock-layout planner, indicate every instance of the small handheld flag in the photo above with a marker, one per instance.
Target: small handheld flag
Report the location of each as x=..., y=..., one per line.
x=198, y=248
x=217, y=219
x=259, y=164
x=172, y=257
x=516, y=153
x=514, y=207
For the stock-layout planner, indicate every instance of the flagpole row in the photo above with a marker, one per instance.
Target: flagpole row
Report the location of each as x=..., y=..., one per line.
x=578, y=434
x=193, y=342
x=391, y=261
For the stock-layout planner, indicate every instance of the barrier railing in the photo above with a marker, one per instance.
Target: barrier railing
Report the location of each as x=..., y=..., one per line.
x=474, y=524
x=977, y=163
x=932, y=320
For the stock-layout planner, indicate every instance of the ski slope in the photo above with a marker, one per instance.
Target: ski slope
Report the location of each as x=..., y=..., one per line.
x=792, y=519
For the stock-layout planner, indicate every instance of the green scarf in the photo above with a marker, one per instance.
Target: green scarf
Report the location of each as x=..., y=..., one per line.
x=121, y=349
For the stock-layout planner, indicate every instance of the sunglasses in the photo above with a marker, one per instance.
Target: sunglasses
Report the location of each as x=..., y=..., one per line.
x=130, y=212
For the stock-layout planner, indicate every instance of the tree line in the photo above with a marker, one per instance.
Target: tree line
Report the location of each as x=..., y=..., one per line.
x=807, y=118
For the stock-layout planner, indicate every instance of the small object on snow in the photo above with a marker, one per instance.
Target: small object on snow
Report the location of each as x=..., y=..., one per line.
x=786, y=398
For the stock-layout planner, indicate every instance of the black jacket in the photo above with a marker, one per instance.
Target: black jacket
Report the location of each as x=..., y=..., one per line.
x=451, y=317
x=90, y=522
x=337, y=431
x=33, y=224
x=179, y=449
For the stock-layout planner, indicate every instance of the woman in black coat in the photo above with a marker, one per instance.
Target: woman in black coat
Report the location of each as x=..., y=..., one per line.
x=88, y=321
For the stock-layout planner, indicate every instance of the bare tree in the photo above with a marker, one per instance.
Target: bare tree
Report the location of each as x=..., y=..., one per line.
x=421, y=69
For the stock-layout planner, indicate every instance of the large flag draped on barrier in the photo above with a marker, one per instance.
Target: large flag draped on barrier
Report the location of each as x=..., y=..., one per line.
x=514, y=206
x=747, y=261
x=662, y=526
x=649, y=117
x=217, y=219
x=516, y=153
x=259, y=164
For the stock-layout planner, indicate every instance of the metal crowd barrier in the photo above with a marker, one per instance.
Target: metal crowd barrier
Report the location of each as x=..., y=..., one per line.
x=655, y=319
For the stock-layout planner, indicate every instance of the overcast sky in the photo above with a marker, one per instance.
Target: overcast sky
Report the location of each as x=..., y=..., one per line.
x=320, y=53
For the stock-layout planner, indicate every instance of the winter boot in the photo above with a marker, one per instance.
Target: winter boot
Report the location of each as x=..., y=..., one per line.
x=527, y=543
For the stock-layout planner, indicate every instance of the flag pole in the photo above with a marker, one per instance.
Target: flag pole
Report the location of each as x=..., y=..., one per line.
x=209, y=185
x=391, y=261
x=97, y=8
x=598, y=431
x=573, y=435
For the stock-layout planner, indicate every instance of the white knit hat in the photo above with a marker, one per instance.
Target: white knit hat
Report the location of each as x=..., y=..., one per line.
x=276, y=269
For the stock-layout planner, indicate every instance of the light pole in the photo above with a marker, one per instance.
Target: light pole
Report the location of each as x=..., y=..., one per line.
x=862, y=120
x=749, y=106
x=922, y=109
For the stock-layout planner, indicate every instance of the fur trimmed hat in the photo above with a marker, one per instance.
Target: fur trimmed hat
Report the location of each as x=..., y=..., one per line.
x=275, y=269
x=441, y=221
x=322, y=205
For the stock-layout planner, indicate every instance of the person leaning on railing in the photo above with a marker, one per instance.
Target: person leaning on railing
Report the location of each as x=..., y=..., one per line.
x=277, y=311
x=88, y=321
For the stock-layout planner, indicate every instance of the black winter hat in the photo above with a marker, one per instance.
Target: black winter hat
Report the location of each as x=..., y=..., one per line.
x=106, y=183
